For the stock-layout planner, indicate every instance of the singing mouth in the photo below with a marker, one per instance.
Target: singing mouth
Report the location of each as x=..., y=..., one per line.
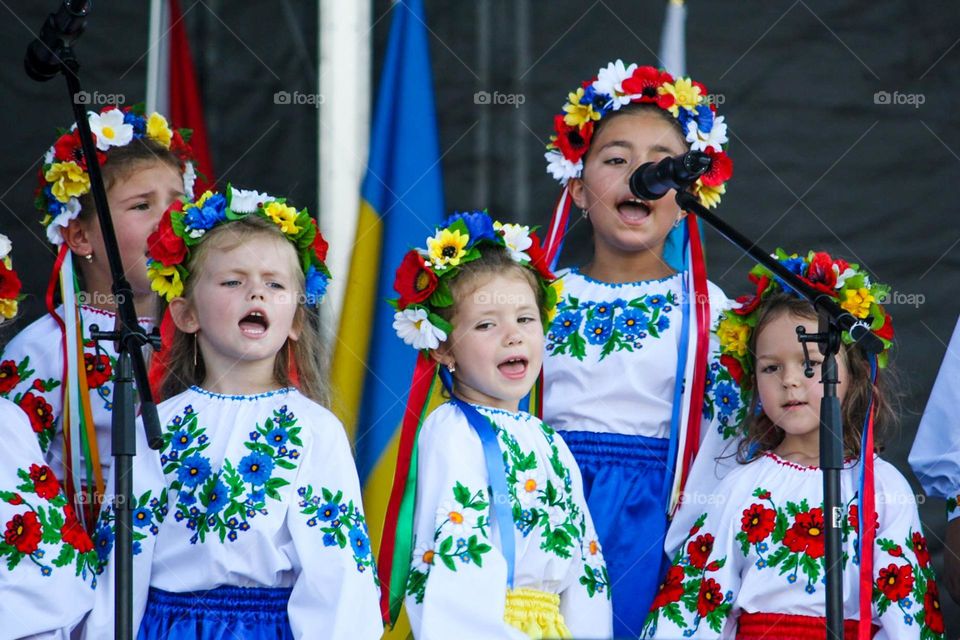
x=634, y=209
x=254, y=323
x=513, y=368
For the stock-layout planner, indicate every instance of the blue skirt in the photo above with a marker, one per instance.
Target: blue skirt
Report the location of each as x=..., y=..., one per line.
x=224, y=613
x=623, y=482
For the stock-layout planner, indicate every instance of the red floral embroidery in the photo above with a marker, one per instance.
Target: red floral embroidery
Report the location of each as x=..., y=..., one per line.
x=98, y=369
x=710, y=597
x=73, y=533
x=9, y=376
x=896, y=582
x=931, y=606
x=23, y=532
x=671, y=589
x=758, y=522
x=806, y=534
x=44, y=481
x=920, y=548
x=699, y=550
x=854, y=519
x=15, y=499
x=38, y=410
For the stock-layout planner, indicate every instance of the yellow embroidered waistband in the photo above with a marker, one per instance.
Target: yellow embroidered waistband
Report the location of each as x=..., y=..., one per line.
x=535, y=613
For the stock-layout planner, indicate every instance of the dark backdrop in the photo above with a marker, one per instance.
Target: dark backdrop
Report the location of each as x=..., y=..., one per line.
x=820, y=160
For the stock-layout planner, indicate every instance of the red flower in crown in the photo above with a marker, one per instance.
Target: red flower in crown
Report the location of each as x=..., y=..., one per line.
x=749, y=304
x=73, y=533
x=821, y=271
x=9, y=376
x=164, y=245
x=9, y=282
x=806, y=534
x=757, y=522
x=23, y=532
x=733, y=366
x=671, y=589
x=45, y=483
x=98, y=369
x=896, y=582
x=644, y=82
x=710, y=597
x=573, y=142
x=886, y=331
x=721, y=168
x=414, y=281
x=68, y=148
x=920, y=548
x=320, y=245
x=538, y=257
x=931, y=607
x=699, y=550
x=38, y=410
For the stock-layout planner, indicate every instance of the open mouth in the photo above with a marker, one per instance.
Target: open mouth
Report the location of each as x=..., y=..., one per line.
x=634, y=210
x=513, y=368
x=254, y=324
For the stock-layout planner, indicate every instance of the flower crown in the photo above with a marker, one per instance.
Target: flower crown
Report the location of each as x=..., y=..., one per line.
x=64, y=177
x=9, y=282
x=423, y=277
x=184, y=225
x=616, y=86
x=842, y=280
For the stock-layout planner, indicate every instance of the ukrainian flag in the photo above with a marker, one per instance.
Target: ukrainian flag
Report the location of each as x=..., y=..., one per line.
x=401, y=203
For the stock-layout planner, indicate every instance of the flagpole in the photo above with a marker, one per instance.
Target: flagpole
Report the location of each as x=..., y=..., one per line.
x=344, y=85
x=156, y=55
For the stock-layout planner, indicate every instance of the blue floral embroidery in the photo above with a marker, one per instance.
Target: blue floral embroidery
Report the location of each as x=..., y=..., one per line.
x=617, y=325
x=340, y=522
x=233, y=494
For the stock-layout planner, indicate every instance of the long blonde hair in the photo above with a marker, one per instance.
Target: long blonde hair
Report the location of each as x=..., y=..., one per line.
x=307, y=352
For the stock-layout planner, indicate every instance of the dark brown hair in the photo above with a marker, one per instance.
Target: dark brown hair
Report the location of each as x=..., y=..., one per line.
x=761, y=435
x=636, y=108
x=307, y=351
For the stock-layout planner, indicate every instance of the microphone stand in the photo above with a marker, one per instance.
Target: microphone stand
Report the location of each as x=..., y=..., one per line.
x=832, y=322
x=54, y=44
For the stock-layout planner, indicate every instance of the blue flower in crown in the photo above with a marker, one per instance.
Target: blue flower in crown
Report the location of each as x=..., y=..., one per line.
x=316, y=285
x=208, y=211
x=479, y=225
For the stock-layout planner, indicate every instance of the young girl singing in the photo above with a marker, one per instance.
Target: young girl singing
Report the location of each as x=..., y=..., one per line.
x=248, y=522
x=753, y=564
x=488, y=534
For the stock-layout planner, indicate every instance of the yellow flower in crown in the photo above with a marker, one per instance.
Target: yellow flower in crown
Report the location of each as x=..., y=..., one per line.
x=733, y=334
x=165, y=280
x=69, y=180
x=578, y=114
x=858, y=302
x=557, y=287
x=159, y=130
x=284, y=216
x=709, y=196
x=8, y=308
x=684, y=92
x=447, y=247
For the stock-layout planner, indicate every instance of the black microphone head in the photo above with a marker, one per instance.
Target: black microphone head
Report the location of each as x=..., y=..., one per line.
x=59, y=31
x=696, y=162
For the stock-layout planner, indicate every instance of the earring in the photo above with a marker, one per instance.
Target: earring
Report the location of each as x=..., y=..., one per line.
x=194, y=351
x=452, y=367
x=585, y=214
x=677, y=223
x=89, y=257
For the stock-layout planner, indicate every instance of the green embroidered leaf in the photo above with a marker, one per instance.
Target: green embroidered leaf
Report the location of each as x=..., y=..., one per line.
x=810, y=567
x=777, y=557
x=65, y=556
x=672, y=613
x=462, y=495
x=741, y=537
x=446, y=546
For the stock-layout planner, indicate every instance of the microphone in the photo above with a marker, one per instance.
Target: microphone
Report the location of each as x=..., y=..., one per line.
x=59, y=31
x=653, y=179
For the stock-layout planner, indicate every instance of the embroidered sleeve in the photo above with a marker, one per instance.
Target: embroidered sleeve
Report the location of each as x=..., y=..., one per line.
x=697, y=594
x=336, y=585
x=905, y=596
x=47, y=560
x=30, y=373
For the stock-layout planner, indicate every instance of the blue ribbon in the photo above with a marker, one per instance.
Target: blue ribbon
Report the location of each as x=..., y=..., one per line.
x=678, y=381
x=502, y=511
